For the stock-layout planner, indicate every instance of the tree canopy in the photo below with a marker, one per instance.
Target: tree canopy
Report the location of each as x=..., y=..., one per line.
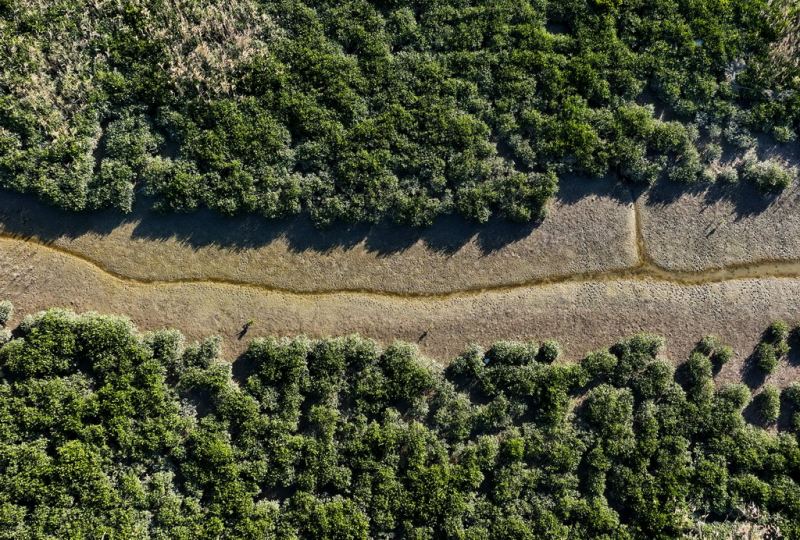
x=361, y=110
x=105, y=432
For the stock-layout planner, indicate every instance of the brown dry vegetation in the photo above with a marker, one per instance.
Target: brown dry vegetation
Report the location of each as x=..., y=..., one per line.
x=785, y=53
x=206, y=41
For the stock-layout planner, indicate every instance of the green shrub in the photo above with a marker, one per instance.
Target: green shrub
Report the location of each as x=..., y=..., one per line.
x=699, y=374
x=167, y=347
x=728, y=175
x=655, y=380
x=738, y=395
x=723, y=355
x=784, y=134
x=549, y=352
x=792, y=394
x=512, y=353
x=769, y=404
x=773, y=348
x=766, y=357
x=712, y=347
x=708, y=345
x=768, y=176
x=6, y=312
x=778, y=332
x=599, y=363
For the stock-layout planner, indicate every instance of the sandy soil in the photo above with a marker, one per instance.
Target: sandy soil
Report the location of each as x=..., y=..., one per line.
x=719, y=226
x=590, y=229
x=581, y=315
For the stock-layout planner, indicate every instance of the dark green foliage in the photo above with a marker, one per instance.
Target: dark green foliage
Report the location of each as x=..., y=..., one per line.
x=722, y=355
x=735, y=395
x=700, y=385
x=778, y=333
x=361, y=110
x=107, y=433
x=710, y=346
x=766, y=357
x=548, y=352
x=769, y=404
x=773, y=347
x=791, y=394
x=512, y=353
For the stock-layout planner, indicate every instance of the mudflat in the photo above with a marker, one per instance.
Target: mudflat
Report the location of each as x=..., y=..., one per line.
x=719, y=226
x=719, y=260
x=590, y=228
x=582, y=316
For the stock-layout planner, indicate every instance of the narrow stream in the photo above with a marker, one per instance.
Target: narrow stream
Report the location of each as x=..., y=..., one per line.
x=645, y=270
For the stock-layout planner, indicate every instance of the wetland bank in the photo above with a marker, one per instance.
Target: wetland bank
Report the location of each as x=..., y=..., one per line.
x=517, y=298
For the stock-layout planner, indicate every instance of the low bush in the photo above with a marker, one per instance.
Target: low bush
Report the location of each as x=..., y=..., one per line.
x=768, y=176
x=6, y=311
x=549, y=352
x=773, y=347
x=766, y=357
x=710, y=346
x=769, y=404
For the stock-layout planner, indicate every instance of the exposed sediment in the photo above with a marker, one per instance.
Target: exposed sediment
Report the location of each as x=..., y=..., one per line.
x=583, y=309
x=590, y=229
x=581, y=315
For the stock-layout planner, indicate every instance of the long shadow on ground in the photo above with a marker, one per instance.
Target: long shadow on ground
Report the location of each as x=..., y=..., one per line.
x=26, y=216
x=745, y=198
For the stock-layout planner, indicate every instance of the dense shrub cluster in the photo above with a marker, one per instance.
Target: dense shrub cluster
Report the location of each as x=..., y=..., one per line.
x=107, y=433
x=362, y=110
x=773, y=347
